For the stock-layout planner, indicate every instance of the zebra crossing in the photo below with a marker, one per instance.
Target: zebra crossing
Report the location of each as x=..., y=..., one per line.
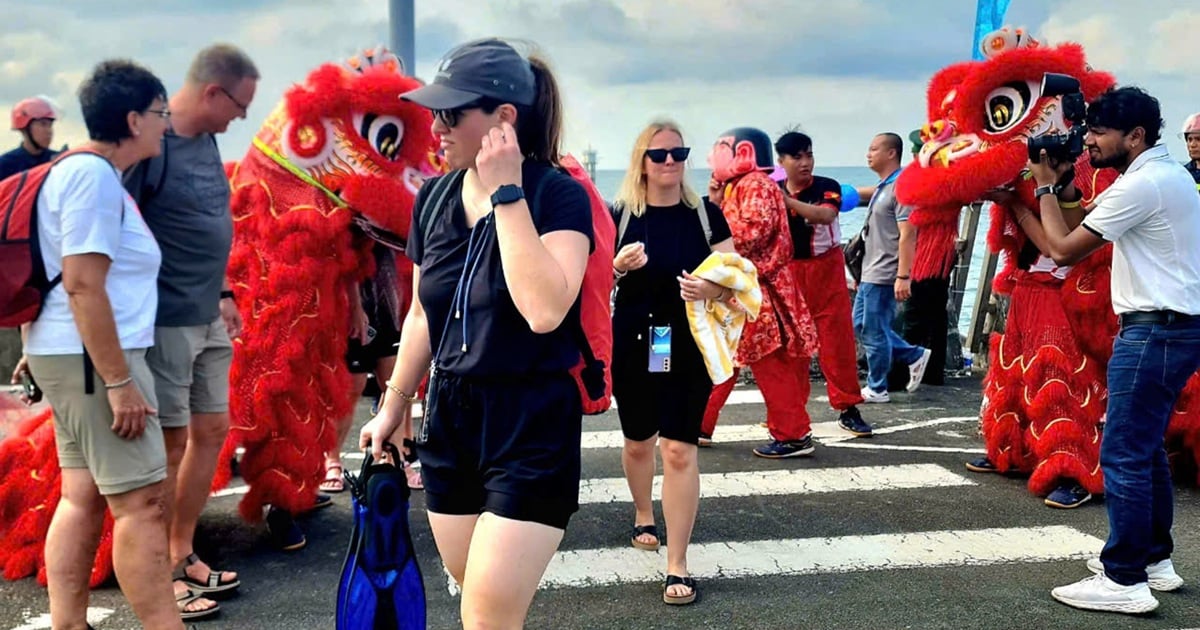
x=884, y=532
x=785, y=554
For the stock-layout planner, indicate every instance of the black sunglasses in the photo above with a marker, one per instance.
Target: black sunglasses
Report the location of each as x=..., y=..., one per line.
x=451, y=117
x=659, y=156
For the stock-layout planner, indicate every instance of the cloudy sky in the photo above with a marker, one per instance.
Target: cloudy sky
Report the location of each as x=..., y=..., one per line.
x=841, y=70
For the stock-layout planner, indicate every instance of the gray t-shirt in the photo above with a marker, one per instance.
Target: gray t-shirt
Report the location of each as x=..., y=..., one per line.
x=190, y=218
x=883, y=235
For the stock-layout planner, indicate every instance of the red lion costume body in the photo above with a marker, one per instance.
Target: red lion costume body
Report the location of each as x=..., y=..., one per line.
x=1044, y=393
x=342, y=150
x=340, y=157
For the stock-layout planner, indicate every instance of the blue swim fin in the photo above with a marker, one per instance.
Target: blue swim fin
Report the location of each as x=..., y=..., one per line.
x=381, y=586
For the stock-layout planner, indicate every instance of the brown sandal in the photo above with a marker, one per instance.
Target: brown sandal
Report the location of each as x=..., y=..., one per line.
x=335, y=481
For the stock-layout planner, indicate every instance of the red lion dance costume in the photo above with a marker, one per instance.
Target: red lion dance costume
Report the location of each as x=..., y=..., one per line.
x=340, y=151
x=1044, y=393
x=339, y=158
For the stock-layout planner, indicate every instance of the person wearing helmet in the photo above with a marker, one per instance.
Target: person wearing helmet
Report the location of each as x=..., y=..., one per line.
x=34, y=118
x=1191, y=135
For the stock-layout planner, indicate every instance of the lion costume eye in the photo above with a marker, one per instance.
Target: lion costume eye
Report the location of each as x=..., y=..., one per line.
x=1007, y=106
x=384, y=133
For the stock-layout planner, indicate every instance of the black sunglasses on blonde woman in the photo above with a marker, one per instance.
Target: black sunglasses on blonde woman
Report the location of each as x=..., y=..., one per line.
x=658, y=156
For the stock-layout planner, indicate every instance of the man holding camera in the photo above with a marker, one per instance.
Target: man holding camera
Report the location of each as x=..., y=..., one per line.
x=1152, y=216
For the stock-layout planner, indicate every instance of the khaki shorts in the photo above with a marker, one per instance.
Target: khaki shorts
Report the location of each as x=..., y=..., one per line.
x=83, y=424
x=191, y=371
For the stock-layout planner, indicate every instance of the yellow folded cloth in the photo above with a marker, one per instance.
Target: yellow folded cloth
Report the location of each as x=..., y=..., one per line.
x=717, y=326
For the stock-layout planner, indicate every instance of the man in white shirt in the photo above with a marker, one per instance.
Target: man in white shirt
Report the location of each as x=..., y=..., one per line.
x=1152, y=216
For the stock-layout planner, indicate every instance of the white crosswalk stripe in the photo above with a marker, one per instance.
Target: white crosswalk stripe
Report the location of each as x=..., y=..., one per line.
x=779, y=482
x=602, y=567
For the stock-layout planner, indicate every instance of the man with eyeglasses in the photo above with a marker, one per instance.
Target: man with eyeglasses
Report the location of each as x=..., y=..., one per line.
x=183, y=195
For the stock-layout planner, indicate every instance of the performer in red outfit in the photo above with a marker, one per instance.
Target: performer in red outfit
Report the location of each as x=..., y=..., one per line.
x=779, y=343
x=813, y=204
x=1044, y=393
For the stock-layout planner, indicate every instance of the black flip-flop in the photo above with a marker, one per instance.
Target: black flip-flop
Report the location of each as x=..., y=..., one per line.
x=681, y=600
x=639, y=530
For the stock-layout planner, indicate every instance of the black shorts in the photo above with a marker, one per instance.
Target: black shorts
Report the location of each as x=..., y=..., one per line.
x=505, y=445
x=670, y=404
x=363, y=359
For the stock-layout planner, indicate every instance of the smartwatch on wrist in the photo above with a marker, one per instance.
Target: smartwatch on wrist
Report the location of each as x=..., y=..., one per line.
x=508, y=193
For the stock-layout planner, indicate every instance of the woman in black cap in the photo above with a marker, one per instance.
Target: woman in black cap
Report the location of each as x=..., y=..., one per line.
x=500, y=255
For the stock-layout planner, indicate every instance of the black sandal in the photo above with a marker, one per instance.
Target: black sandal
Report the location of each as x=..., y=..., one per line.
x=214, y=585
x=680, y=600
x=639, y=530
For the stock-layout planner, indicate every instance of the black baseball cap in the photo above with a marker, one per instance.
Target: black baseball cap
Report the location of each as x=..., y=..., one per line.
x=485, y=68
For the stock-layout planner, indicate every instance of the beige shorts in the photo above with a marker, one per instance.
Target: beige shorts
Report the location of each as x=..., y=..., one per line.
x=191, y=371
x=83, y=424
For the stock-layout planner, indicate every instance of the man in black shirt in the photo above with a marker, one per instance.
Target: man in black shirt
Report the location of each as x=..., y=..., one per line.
x=34, y=118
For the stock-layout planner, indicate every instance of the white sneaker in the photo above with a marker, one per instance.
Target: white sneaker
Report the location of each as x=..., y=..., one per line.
x=1100, y=593
x=1161, y=574
x=871, y=396
x=916, y=371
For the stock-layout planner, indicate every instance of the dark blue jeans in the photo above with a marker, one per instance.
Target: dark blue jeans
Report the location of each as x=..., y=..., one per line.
x=874, y=311
x=1149, y=366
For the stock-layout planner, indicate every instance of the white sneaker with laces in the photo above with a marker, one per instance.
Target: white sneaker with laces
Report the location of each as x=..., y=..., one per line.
x=916, y=371
x=1100, y=593
x=871, y=396
x=1161, y=574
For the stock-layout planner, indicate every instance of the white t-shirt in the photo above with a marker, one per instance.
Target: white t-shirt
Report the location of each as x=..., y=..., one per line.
x=83, y=209
x=1152, y=215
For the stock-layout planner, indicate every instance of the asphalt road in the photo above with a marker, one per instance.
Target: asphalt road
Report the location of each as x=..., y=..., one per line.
x=869, y=533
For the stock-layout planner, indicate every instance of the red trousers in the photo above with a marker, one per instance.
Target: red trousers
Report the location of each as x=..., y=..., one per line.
x=783, y=381
x=822, y=282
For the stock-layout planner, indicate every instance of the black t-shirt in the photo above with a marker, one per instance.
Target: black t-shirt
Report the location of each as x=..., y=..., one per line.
x=19, y=160
x=823, y=191
x=674, y=241
x=1193, y=167
x=498, y=339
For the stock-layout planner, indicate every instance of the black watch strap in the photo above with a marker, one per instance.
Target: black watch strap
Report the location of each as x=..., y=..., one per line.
x=1052, y=189
x=226, y=293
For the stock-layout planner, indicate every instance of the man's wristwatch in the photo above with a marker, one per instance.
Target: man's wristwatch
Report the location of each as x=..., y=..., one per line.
x=508, y=193
x=1052, y=189
x=227, y=294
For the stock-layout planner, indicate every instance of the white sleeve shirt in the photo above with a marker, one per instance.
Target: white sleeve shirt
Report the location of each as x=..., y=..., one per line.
x=1152, y=215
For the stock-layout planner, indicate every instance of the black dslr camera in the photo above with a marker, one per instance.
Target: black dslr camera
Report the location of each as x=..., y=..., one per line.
x=1062, y=147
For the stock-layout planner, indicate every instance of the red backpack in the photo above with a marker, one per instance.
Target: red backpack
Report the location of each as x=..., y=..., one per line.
x=594, y=371
x=593, y=331
x=24, y=285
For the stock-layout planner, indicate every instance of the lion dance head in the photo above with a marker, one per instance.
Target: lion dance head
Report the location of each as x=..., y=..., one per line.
x=981, y=115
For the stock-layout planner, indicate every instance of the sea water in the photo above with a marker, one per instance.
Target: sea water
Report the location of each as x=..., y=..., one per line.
x=609, y=181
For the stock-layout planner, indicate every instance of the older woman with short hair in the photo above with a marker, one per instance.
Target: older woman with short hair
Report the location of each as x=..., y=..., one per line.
x=87, y=350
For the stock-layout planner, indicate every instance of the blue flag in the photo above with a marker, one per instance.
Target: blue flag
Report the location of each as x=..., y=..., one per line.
x=989, y=16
